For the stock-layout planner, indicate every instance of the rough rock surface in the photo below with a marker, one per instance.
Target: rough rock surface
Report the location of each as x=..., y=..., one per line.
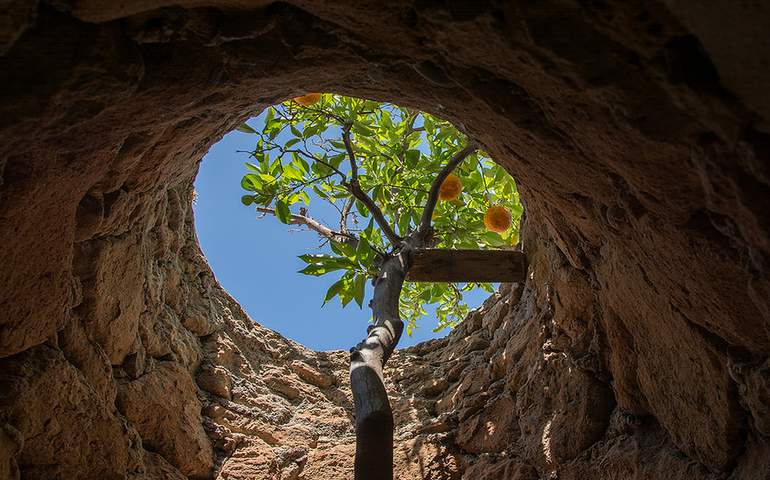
x=637, y=348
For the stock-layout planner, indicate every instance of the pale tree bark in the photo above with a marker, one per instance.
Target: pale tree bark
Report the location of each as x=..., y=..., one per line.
x=341, y=236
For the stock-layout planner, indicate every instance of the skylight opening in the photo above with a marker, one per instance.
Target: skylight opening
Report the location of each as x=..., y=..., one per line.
x=291, y=168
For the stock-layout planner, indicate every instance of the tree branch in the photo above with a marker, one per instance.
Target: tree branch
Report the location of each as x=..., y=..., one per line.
x=427, y=213
x=316, y=226
x=374, y=417
x=355, y=189
x=351, y=154
x=344, y=215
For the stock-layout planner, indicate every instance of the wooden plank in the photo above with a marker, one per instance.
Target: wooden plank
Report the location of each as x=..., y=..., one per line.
x=440, y=265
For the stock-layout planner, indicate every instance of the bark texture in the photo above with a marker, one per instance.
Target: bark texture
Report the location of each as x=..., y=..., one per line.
x=636, y=348
x=373, y=414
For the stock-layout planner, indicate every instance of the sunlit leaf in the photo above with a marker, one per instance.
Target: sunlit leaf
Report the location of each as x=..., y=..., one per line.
x=359, y=286
x=282, y=211
x=318, y=270
x=292, y=173
x=411, y=157
x=334, y=290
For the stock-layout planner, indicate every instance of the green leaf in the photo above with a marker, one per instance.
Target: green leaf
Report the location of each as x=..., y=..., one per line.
x=412, y=157
x=403, y=223
x=359, y=286
x=364, y=251
x=318, y=270
x=426, y=295
x=307, y=258
x=303, y=165
x=282, y=211
x=275, y=167
x=266, y=178
x=245, y=128
x=263, y=199
x=334, y=290
x=328, y=261
x=247, y=200
x=246, y=183
x=346, y=292
x=346, y=295
x=343, y=249
x=336, y=160
x=320, y=192
x=361, y=129
x=367, y=233
x=361, y=208
x=292, y=173
x=386, y=120
x=493, y=239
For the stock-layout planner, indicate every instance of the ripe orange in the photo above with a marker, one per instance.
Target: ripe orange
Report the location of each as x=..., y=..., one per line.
x=497, y=219
x=307, y=100
x=450, y=187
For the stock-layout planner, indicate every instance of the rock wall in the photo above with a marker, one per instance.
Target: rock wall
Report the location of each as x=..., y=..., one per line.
x=637, y=348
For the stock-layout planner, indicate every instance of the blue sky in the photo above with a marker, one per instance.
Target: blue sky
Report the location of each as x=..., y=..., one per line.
x=256, y=261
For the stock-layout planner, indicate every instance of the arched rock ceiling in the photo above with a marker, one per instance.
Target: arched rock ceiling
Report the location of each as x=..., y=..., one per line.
x=636, y=130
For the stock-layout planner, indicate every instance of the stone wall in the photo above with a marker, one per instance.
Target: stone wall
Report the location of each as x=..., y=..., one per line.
x=637, y=347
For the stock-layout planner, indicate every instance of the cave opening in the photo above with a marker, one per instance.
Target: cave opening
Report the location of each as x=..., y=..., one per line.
x=257, y=262
x=637, y=130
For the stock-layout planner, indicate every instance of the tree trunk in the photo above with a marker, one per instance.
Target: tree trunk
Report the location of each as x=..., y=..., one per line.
x=374, y=418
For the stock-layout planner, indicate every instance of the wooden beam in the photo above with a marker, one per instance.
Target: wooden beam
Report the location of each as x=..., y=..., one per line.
x=440, y=265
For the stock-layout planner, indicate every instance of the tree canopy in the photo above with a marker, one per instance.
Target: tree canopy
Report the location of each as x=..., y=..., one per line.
x=326, y=148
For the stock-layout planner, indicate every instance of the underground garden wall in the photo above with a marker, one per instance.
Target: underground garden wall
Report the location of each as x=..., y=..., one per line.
x=637, y=347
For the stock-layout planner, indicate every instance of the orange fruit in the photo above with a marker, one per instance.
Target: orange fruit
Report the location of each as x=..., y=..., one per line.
x=497, y=219
x=450, y=187
x=307, y=100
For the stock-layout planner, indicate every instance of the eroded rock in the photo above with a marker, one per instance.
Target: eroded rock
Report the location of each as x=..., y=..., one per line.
x=636, y=348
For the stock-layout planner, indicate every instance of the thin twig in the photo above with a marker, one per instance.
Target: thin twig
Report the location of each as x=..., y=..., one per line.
x=430, y=205
x=355, y=189
x=344, y=215
x=316, y=226
x=305, y=184
x=315, y=159
x=351, y=154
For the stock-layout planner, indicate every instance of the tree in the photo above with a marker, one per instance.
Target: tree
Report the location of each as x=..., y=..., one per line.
x=401, y=174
